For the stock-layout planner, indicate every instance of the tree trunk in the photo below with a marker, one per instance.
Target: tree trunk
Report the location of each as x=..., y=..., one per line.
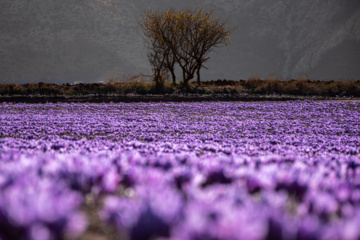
x=187, y=79
x=184, y=78
x=172, y=71
x=198, y=76
x=157, y=76
x=187, y=76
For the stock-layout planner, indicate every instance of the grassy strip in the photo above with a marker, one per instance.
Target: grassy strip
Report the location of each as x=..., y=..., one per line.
x=303, y=87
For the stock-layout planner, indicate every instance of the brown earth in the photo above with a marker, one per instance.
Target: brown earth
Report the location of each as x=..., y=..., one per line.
x=160, y=98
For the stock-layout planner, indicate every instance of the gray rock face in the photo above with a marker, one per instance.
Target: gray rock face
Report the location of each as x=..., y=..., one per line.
x=94, y=40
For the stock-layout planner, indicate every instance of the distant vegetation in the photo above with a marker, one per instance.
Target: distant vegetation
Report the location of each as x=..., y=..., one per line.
x=253, y=86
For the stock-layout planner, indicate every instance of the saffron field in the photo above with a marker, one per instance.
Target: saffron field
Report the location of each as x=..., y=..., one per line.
x=181, y=171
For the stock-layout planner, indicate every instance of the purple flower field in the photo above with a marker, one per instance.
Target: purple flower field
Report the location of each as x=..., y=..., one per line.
x=181, y=171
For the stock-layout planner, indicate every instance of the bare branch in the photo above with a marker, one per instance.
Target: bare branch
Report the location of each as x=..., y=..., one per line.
x=185, y=37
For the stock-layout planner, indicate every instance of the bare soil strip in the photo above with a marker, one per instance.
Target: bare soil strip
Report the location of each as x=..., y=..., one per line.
x=162, y=98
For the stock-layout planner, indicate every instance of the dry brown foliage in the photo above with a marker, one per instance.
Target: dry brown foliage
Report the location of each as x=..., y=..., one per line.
x=143, y=85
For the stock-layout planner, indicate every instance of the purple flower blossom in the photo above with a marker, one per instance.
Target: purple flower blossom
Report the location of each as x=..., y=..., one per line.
x=217, y=170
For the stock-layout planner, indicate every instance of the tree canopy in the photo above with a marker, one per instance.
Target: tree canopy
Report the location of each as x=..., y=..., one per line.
x=183, y=37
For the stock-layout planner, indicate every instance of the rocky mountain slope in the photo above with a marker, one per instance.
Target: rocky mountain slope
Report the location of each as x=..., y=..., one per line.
x=93, y=40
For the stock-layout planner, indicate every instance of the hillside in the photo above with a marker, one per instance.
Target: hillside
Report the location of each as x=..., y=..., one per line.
x=93, y=40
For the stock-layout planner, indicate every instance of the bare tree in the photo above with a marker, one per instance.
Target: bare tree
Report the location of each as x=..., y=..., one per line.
x=185, y=37
x=157, y=58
